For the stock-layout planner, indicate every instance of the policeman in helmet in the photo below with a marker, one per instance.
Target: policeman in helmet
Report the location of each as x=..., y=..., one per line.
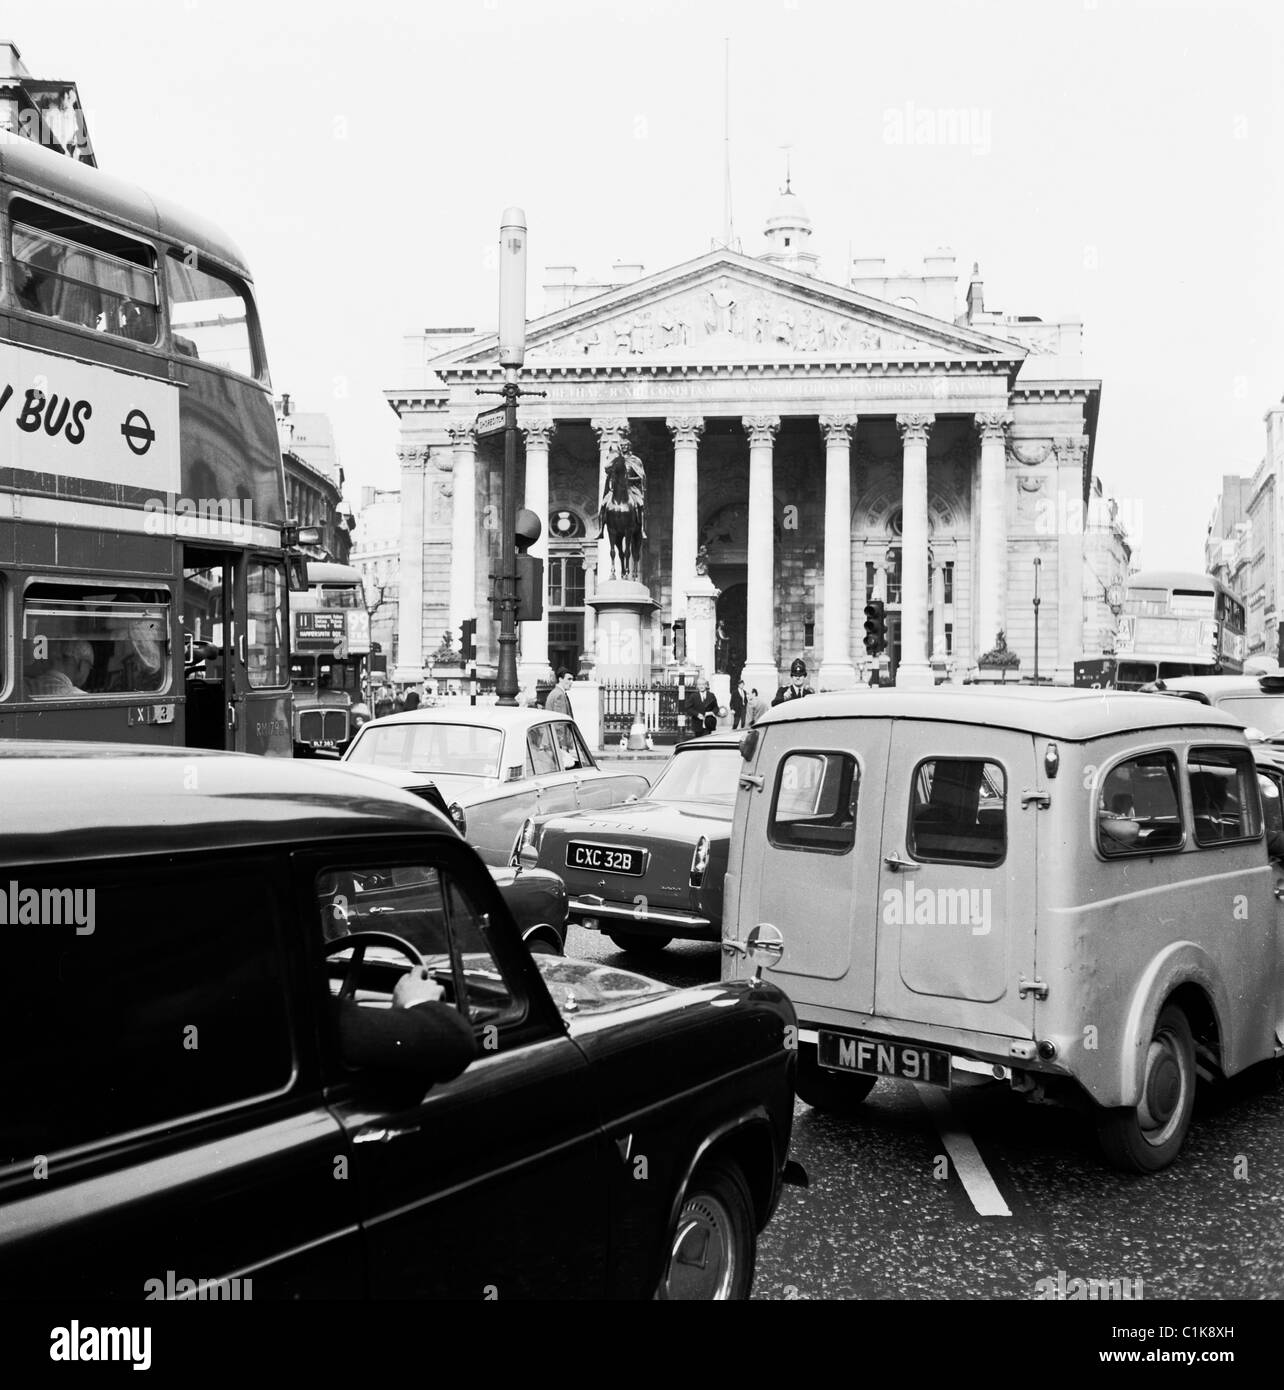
x=797, y=686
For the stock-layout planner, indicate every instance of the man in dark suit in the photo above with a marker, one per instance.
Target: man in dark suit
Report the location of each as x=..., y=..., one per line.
x=797, y=686
x=702, y=709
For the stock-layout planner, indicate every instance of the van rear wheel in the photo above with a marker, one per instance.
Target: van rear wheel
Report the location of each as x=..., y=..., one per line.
x=822, y=1089
x=1147, y=1137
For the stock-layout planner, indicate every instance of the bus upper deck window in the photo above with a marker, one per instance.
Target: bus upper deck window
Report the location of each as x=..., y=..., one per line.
x=83, y=274
x=210, y=317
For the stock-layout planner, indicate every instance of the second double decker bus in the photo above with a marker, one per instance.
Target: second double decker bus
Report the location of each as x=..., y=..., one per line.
x=143, y=536
x=329, y=656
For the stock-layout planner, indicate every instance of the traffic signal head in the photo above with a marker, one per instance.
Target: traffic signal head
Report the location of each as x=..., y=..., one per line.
x=875, y=627
x=468, y=640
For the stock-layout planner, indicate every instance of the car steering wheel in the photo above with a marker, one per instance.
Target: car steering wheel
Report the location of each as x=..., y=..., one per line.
x=359, y=941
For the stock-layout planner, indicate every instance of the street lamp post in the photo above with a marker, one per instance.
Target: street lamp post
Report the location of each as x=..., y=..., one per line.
x=512, y=352
x=1038, y=563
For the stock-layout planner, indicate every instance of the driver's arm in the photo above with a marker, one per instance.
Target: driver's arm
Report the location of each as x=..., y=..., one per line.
x=416, y=986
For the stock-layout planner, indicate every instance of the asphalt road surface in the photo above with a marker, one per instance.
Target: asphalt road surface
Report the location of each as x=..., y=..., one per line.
x=973, y=1193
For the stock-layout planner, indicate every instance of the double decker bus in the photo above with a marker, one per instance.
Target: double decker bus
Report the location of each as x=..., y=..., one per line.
x=1173, y=623
x=143, y=536
x=329, y=656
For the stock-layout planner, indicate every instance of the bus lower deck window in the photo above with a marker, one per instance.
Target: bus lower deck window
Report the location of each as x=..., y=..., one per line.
x=82, y=640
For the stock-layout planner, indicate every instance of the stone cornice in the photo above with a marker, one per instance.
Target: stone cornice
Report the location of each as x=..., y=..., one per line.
x=627, y=369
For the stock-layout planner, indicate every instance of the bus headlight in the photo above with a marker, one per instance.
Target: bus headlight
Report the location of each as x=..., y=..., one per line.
x=699, y=861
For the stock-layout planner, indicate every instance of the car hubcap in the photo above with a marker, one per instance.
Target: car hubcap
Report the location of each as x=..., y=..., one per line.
x=1165, y=1090
x=702, y=1263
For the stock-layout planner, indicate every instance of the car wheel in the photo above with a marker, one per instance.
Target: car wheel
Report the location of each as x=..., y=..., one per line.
x=639, y=941
x=1147, y=1137
x=823, y=1089
x=714, y=1244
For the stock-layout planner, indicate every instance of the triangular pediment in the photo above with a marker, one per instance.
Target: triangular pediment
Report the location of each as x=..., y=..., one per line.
x=727, y=307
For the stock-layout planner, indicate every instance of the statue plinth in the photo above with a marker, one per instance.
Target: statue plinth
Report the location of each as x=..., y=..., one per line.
x=702, y=622
x=623, y=639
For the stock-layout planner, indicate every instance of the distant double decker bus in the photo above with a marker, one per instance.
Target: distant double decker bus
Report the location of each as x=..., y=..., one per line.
x=1173, y=623
x=143, y=537
x=329, y=656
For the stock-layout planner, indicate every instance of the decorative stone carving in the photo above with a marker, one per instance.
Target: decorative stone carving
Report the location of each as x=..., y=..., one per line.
x=729, y=308
x=991, y=424
x=539, y=432
x=838, y=428
x=686, y=429
x=1070, y=450
x=915, y=427
x=761, y=429
x=463, y=436
x=612, y=433
x=412, y=457
x=1030, y=451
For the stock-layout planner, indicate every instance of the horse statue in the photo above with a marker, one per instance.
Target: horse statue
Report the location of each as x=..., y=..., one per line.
x=622, y=515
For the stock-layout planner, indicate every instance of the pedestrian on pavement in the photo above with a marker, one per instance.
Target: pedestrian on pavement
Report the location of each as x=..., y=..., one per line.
x=702, y=709
x=739, y=704
x=412, y=700
x=797, y=686
x=559, y=698
x=758, y=706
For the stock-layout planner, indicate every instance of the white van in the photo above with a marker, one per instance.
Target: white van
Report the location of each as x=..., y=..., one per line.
x=1066, y=889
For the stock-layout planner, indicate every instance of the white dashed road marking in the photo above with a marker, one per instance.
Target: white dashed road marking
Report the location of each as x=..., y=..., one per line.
x=968, y=1163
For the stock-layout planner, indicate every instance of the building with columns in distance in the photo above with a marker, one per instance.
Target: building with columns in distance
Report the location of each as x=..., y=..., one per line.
x=807, y=445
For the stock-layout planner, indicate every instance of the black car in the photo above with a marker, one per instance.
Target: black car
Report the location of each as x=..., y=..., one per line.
x=280, y=1038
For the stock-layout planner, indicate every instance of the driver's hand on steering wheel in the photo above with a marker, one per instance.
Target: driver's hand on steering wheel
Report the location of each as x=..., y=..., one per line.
x=416, y=986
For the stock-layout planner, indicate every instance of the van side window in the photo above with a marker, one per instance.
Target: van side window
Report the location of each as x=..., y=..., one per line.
x=815, y=803
x=1138, y=807
x=959, y=812
x=1224, y=797
x=1271, y=786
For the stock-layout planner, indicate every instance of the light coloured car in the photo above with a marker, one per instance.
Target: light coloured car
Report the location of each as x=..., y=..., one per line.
x=498, y=764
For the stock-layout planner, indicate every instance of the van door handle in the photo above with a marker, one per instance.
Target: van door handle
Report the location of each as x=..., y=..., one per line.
x=895, y=862
x=751, y=779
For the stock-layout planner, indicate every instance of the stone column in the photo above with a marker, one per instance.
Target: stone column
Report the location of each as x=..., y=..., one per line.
x=463, y=532
x=533, y=665
x=914, y=670
x=836, y=669
x=612, y=437
x=991, y=568
x=760, y=669
x=410, y=578
x=589, y=652
x=938, y=608
x=686, y=430
x=1071, y=639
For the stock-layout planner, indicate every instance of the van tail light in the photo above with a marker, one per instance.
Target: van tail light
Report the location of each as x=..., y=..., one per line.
x=525, y=846
x=699, y=861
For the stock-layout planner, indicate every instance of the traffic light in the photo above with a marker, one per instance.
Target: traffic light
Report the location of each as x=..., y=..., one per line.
x=530, y=588
x=468, y=641
x=875, y=627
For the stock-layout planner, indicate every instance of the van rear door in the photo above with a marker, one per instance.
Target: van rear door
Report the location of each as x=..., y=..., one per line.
x=958, y=876
x=808, y=856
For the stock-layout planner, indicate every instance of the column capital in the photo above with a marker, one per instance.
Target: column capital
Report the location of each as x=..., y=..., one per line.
x=915, y=427
x=761, y=429
x=413, y=456
x=993, y=424
x=686, y=429
x=612, y=430
x=463, y=434
x=838, y=429
x=539, y=433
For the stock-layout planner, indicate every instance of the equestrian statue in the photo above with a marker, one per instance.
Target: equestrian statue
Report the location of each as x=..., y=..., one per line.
x=622, y=515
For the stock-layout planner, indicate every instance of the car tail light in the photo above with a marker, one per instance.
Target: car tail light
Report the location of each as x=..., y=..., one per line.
x=527, y=842
x=699, y=861
x=458, y=816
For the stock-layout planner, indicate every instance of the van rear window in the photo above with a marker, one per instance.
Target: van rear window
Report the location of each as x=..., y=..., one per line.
x=815, y=802
x=1224, y=795
x=959, y=812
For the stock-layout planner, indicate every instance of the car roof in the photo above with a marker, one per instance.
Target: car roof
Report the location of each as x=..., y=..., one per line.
x=1059, y=711
x=720, y=738
x=514, y=718
x=1214, y=686
x=92, y=801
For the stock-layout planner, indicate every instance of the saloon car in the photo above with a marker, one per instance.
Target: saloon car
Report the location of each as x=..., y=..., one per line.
x=650, y=870
x=536, y=898
x=262, y=1028
x=499, y=764
x=1256, y=701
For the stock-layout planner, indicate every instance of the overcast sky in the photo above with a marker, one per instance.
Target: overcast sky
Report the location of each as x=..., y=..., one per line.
x=1122, y=165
